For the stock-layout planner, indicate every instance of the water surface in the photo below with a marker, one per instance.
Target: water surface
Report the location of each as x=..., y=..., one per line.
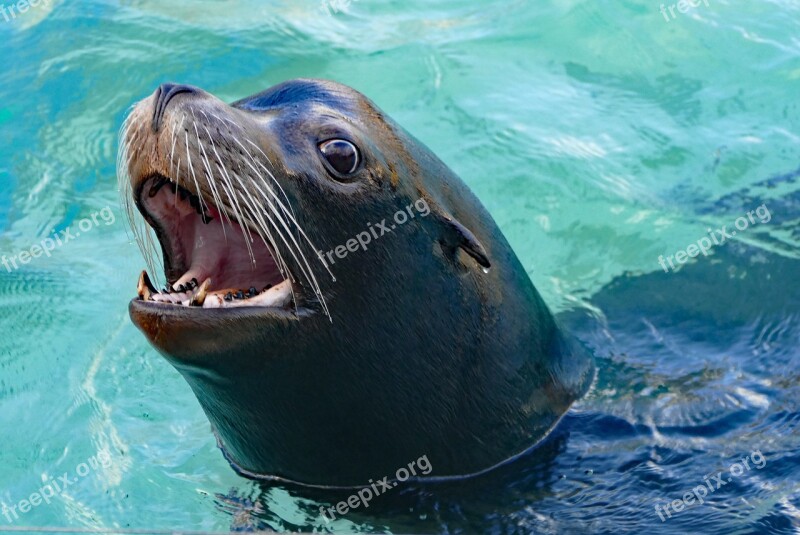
x=600, y=136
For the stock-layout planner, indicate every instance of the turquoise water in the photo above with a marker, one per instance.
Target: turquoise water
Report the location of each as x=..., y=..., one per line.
x=599, y=134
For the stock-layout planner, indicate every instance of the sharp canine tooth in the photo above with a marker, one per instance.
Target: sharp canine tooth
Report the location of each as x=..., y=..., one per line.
x=199, y=297
x=165, y=298
x=145, y=287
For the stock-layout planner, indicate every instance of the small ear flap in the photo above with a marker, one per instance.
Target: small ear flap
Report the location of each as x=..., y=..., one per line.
x=463, y=238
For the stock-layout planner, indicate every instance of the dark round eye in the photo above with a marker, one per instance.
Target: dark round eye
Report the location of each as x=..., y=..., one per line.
x=341, y=154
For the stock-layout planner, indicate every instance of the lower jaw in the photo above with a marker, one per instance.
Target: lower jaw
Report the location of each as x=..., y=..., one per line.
x=203, y=340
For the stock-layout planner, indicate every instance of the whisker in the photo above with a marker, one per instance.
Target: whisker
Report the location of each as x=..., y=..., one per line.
x=290, y=215
x=313, y=281
x=140, y=232
x=255, y=214
x=204, y=205
x=225, y=120
x=286, y=197
x=172, y=169
x=234, y=205
x=211, y=180
x=230, y=192
x=222, y=208
x=262, y=225
x=190, y=167
x=309, y=272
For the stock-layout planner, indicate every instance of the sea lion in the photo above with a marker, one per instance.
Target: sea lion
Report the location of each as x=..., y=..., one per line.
x=320, y=356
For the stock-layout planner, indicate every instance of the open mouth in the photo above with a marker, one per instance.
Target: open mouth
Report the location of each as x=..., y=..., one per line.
x=210, y=259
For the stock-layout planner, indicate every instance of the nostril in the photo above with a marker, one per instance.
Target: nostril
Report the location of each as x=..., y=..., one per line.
x=164, y=94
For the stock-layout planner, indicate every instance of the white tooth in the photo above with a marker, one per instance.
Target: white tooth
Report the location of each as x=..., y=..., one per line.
x=278, y=296
x=167, y=298
x=214, y=301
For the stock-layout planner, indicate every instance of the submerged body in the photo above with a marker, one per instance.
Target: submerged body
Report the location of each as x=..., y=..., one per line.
x=328, y=342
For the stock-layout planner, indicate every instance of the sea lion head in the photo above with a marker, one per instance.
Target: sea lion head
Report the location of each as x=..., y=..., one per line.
x=338, y=300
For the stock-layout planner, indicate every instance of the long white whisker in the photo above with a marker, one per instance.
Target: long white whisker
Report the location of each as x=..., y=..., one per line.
x=257, y=216
x=233, y=201
x=263, y=226
x=176, y=171
x=288, y=211
x=204, y=205
x=272, y=193
x=214, y=148
x=311, y=278
x=308, y=271
x=275, y=180
x=191, y=170
x=225, y=120
x=290, y=214
x=141, y=234
x=211, y=180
